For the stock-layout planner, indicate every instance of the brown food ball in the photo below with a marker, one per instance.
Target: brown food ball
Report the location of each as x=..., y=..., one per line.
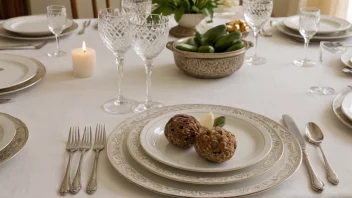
x=181, y=130
x=216, y=144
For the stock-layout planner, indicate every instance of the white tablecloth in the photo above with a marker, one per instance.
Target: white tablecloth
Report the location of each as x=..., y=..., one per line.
x=61, y=101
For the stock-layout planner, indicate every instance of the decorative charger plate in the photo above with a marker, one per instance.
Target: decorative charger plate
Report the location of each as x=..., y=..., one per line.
x=35, y=25
x=336, y=36
x=120, y=159
x=336, y=107
x=6, y=34
x=253, y=143
x=18, y=141
x=136, y=151
x=37, y=77
x=328, y=24
x=15, y=70
x=7, y=131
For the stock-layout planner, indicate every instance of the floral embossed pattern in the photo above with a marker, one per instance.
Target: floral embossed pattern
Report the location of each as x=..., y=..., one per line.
x=124, y=163
x=18, y=141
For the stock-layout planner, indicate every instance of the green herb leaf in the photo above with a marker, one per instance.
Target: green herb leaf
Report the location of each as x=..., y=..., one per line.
x=179, y=13
x=220, y=121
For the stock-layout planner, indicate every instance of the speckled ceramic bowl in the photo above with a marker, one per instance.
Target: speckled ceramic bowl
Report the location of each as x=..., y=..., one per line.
x=208, y=65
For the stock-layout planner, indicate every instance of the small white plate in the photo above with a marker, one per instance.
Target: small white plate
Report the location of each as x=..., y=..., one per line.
x=15, y=70
x=328, y=24
x=253, y=144
x=346, y=57
x=36, y=25
x=347, y=105
x=7, y=131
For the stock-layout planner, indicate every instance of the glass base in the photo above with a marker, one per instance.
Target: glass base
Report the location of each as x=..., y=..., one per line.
x=119, y=106
x=304, y=63
x=56, y=54
x=322, y=90
x=255, y=60
x=140, y=107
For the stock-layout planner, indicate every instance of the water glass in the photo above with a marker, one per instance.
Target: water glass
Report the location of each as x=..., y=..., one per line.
x=150, y=35
x=139, y=7
x=309, y=19
x=256, y=14
x=57, y=20
x=116, y=33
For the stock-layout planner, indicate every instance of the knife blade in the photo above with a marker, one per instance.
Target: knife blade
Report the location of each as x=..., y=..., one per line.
x=292, y=127
x=316, y=183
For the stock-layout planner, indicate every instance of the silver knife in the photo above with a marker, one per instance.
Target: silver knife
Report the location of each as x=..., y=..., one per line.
x=317, y=184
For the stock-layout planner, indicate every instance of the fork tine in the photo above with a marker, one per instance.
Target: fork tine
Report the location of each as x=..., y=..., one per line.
x=69, y=136
x=104, y=135
x=90, y=137
x=77, y=136
x=84, y=136
x=96, y=135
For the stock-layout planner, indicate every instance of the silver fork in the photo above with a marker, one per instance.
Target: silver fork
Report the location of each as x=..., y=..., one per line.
x=99, y=145
x=84, y=146
x=85, y=25
x=3, y=101
x=71, y=147
x=24, y=46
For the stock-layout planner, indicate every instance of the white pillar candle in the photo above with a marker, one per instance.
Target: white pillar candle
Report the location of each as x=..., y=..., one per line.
x=83, y=61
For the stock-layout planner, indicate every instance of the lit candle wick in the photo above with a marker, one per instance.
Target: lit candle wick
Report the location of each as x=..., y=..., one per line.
x=84, y=48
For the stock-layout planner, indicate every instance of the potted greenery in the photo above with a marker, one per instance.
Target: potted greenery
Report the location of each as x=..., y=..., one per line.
x=188, y=13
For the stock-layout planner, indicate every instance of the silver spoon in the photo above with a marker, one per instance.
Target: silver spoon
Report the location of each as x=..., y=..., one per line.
x=316, y=137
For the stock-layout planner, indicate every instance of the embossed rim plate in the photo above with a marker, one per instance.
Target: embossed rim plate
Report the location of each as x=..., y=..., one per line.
x=254, y=143
x=121, y=160
x=345, y=58
x=35, y=25
x=336, y=107
x=7, y=131
x=37, y=77
x=136, y=151
x=346, y=105
x=328, y=24
x=16, y=70
x=18, y=141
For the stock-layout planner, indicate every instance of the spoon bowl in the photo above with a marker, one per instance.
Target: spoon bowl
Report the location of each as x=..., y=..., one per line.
x=314, y=133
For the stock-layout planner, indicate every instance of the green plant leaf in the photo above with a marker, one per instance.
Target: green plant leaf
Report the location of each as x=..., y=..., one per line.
x=158, y=10
x=179, y=13
x=195, y=9
x=159, y=2
x=166, y=10
x=187, y=6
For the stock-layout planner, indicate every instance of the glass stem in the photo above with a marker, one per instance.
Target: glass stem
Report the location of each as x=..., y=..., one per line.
x=256, y=33
x=148, y=75
x=306, y=43
x=119, y=63
x=57, y=44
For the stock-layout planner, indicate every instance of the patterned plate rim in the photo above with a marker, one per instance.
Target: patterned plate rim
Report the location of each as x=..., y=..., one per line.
x=336, y=107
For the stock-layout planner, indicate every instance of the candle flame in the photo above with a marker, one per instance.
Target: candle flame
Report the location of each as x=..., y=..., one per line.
x=84, y=48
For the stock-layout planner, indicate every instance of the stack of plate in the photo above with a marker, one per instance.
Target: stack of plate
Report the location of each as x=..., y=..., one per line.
x=18, y=73
x=32, y=28
x=266, y=155
x=342, y=106
x=13, y=136
x=330, y=28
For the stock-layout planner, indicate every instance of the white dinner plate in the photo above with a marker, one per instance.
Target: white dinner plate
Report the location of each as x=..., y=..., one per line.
x=120, y=159
x=347, y=105
x=35, y=25
x=328, y=24
x=336, y=107
x=346, y=57
x=15, y=70
x=253, y=143
x=328, y=37
x=7, y=131
x=7, y=34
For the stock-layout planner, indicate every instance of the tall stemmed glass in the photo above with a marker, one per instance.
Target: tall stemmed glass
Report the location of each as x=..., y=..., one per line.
x=137, y=6
x=309, y=19
x=115, y=31
x=57, y=20
x=150, y=36
x=256, y=13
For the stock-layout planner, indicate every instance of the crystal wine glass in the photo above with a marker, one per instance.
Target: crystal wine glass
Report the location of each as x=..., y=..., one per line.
x=256, y=14
x=116, y=33
x=57, y=20
x=139, y=7
x=150, y=36
x=309, y=18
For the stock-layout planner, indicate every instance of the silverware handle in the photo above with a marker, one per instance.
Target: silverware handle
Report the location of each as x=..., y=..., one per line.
x=92, y=185
x=76, y=184
x=317, y=184
x=332, y=176
x=65, y=186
